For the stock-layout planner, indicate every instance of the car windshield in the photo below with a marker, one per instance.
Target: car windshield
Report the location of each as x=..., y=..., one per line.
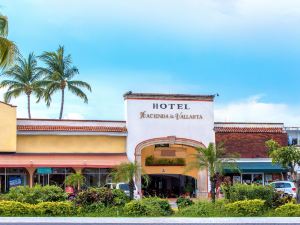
x=124, y=187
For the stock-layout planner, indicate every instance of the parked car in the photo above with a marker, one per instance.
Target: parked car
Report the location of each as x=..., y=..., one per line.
x=286, y=187
x=125, y=188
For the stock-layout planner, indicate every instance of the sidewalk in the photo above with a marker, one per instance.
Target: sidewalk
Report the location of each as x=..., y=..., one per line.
x=166, y=220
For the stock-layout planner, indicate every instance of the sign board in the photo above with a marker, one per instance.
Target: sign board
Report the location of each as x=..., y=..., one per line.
x=44, y=170
x=15, y=181
x=150, y=118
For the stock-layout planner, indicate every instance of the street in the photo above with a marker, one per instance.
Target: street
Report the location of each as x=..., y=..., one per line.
x=145, y=223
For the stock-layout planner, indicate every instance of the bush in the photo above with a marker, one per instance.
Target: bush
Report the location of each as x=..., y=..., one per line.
x=183, y=202
x=288, y=210
x=95, y=195
x=239, y=192
x=137, y=208
x=203, y=209
x=54, y=209
x=148, y=207
x=160, y=207
x=254, y=207
x=119, y=197
x=35, y=194
x=11, y=208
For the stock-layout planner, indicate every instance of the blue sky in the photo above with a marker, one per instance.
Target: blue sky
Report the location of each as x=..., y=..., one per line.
x=248, y=51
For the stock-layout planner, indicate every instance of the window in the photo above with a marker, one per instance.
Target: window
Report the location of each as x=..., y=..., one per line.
x=294, y=141
x=96, y=177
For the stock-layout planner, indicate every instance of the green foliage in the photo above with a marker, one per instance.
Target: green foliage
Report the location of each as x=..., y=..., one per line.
x=12, y=208
x=239, y=192
x=286, y=156
x=203, y=209
x=119, y=197
x=151, y=161
x=35, y=194
x=279, y=199
x=183, y=202
x=161, y=207
x=148, y=207
x=75, y=180
x=126, y=172
x=94, y=195
x=54, y=209
x=254, y=207
x=288, y=210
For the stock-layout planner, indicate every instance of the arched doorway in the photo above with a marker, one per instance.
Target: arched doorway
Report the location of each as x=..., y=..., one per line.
x=170, y=186
x=165, y=160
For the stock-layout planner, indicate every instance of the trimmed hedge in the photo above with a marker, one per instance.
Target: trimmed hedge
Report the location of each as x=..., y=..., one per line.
x=148, y=207
x=290, y=210
x=240, y=192
x=254, y=207
x=203, y=209
x=12, y=208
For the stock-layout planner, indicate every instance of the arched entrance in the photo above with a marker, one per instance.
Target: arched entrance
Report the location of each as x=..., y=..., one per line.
x=165, y=160
x=170, y=186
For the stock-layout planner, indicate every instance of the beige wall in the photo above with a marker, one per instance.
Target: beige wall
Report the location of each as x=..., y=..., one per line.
x=8, y=128
x=188, y=155
x=70, y=144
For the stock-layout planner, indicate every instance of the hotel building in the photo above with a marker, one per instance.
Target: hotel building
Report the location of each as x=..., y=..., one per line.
x=160, y=131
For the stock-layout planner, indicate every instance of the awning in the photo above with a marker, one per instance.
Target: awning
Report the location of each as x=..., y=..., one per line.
x=101, y=160
x=250, y=167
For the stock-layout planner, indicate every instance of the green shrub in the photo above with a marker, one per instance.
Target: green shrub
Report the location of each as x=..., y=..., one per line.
x=151, y=161
x=203, y=209
x=119, y=197
x=160, y=207
x=183, y=202
x=35, y=194
x=95, y=195
x=12, y=208
x=54, y=209
x=137, y=208
x=249, y=208
x=239, y=192
x=279, y=199
x=288, y=210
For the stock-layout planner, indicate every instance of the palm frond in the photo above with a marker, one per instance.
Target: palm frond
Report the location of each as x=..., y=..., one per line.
x=78, y=92
x=78, y=83
x=8, y=52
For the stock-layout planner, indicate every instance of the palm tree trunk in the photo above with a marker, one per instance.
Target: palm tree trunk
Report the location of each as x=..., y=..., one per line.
x=62, y=103
x=131, y=189
x=213, y=189
x=28, y=106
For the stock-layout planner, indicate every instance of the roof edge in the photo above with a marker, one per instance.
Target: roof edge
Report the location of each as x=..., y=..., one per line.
x=8, y=104
x=131, y=95
x=71, y=120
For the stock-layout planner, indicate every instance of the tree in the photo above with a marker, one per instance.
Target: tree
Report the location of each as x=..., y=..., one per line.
x=8, y=49
x=286, y=156
x=75, y=180
x=24, y=78
x=127, y=172
x=213, y=159
x=59, y=73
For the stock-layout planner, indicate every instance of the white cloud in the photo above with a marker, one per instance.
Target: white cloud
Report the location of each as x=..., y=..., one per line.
x=254, y=109
x=74, y=116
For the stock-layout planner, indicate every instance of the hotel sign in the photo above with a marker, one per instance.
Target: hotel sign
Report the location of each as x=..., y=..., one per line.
x=170, y=107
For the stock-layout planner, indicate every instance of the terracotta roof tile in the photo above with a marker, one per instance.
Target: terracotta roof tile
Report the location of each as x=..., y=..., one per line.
x=71, y=128
x=249, y=130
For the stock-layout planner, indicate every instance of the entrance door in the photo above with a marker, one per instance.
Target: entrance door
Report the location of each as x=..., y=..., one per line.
x=170, y=186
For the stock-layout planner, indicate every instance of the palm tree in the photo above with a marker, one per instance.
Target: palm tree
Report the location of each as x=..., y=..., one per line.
x=126, y=172
x=212, y=158
x=25, y=78
x=8, y=49
x=75, y=180
x=59, y=73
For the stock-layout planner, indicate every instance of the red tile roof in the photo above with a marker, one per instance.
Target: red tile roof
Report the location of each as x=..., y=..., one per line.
x=249, y=130
x=71, y=128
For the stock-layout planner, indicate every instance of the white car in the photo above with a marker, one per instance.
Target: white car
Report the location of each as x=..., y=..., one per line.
x=125, y=188
x=286, y=187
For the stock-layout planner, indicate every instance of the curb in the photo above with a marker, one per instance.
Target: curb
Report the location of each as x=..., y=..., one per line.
x=164, y=220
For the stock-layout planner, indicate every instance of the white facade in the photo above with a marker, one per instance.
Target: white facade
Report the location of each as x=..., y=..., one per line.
x=150, y=116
